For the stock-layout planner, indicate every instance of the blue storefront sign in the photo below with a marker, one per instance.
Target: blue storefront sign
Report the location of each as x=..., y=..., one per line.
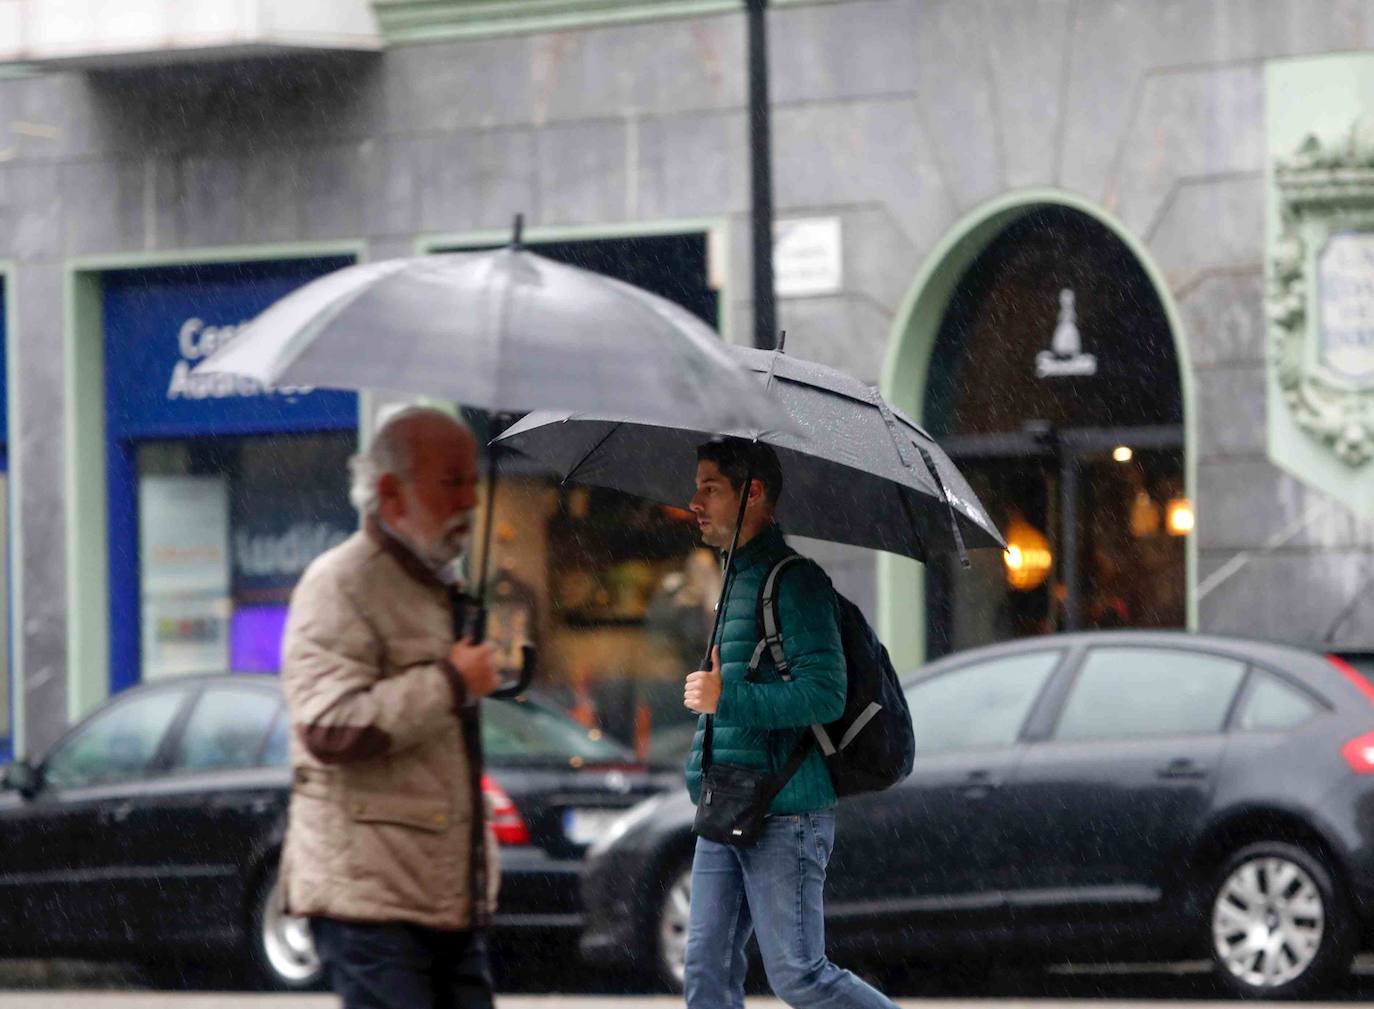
x=194, y=594
x=160, y=323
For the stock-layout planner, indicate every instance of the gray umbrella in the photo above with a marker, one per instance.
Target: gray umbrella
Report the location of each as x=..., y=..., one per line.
x=504, y=330
x=854, y=469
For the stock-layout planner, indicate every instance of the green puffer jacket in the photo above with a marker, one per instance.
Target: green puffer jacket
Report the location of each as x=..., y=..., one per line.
x=811, y=642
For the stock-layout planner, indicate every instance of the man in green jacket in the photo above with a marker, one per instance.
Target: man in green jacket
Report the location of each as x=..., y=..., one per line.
x=773, y=888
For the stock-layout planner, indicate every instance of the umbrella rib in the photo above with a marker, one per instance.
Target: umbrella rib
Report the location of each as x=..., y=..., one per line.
x=591, y=451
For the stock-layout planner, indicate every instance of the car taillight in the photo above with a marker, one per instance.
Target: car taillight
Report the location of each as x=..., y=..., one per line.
x=1359, y=753
x=506, y=822
x=1356, y=677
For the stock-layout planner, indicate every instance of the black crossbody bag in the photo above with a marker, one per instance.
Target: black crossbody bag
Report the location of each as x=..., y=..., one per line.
x=734, y=798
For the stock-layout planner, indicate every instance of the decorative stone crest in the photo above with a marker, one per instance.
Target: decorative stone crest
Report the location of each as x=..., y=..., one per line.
x=1320, y=298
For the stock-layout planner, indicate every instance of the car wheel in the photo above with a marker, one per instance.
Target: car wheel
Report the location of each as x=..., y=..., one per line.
x=670, y=926
x=1279, y=926
x=281, y=949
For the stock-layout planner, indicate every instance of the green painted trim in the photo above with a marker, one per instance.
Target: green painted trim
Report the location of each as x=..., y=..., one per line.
x=710, y=226
x=901, y=590
x=403, y=21
x=83, y=415
x=88, y=621
x=431, y=22
x=216, y=254
x=14, y=528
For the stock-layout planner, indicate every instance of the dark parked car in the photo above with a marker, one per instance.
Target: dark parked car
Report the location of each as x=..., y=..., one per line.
x=152, y=828
x=1100, y=796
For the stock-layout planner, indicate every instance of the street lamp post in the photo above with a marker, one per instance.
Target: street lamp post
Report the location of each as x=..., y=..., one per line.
x=761, y=176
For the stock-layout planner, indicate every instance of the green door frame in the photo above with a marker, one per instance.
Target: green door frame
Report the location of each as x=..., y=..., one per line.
x=83, y=417
x=13, y=527
x=901, y=588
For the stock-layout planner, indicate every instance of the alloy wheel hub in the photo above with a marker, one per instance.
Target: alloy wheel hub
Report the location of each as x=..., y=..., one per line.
x=287, y=942
x=672, y=930
x=1268, y=921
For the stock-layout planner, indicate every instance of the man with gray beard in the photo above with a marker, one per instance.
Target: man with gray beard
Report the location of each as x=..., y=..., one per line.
x=387, y=849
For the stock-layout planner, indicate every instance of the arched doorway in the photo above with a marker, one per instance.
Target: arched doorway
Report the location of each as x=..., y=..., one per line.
x=1041, y=350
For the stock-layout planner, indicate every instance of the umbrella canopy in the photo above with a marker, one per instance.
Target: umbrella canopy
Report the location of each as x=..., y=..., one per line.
x=506, y=331
x=854, y=470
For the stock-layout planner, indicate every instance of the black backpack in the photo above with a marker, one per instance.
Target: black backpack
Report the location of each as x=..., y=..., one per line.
x=871, y=746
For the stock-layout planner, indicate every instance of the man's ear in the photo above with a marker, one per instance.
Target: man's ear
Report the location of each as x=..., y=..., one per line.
x=757, y=492
x=389, y=490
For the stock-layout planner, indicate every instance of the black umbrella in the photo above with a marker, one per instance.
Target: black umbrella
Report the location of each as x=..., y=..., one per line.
x=854, y=469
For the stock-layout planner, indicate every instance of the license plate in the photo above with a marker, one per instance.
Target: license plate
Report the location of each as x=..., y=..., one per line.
x=583, y=826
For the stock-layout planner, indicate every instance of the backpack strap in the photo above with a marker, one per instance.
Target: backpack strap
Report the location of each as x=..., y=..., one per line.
x=768, y=618
x=771, y=620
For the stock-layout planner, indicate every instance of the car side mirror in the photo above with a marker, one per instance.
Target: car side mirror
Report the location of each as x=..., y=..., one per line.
x=21, y=777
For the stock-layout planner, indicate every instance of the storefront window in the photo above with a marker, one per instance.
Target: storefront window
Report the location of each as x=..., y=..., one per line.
x=1054, y=384
x=615, y=591
x=226, y=528
x=221, y=492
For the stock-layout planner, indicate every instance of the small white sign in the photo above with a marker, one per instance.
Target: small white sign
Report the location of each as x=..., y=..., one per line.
x=807, y=257
x=1345, y=284
x=184, y=559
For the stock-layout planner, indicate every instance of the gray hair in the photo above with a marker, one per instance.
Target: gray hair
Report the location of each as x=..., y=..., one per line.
x=391, y=452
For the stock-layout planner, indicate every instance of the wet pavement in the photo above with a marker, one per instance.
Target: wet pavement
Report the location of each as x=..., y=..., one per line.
x=76, y=985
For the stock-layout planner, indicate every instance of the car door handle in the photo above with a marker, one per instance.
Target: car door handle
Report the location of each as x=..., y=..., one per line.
x=118, y=813
x=1182, y=769
x=980, y=784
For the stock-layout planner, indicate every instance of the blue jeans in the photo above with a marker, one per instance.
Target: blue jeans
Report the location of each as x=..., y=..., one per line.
x=773, y=889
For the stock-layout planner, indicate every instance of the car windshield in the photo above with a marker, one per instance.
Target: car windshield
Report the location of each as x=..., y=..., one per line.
x=525, y=732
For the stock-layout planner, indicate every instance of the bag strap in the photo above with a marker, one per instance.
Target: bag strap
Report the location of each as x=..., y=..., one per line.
x=770, y=606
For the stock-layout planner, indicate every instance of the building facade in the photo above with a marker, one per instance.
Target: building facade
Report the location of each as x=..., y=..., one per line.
x=1089, y=243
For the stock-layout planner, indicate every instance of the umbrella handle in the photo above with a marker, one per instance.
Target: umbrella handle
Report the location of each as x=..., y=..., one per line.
x=528, y=663
x=476, y=627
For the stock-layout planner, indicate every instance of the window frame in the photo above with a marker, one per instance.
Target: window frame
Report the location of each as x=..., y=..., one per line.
x=1065, y=654
x=1248, y=686
x=1073, y=674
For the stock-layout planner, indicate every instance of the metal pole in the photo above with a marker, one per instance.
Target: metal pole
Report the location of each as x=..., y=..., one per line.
x=761, y=176
x=1068, y=525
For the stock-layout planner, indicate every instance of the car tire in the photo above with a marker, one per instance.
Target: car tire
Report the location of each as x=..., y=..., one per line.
x=1278, y=927
x=281, y=952
x=669, y=925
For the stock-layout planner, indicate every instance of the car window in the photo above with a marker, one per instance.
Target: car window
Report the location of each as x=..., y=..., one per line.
x=1272, y=703
x=514, y=732
x=981, y=705
x=117, y=744
x=226, y=729
x=1124, y=692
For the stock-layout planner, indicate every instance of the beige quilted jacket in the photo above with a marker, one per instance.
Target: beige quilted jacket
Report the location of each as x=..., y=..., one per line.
x=385, y=755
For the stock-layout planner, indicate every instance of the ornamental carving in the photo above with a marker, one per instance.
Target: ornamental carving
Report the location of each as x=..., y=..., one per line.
x=1320, y=299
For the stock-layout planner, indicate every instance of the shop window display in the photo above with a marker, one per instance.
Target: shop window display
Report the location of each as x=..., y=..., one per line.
x=226, y=528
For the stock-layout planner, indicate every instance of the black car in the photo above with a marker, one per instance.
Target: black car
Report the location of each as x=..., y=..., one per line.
x=1090, y=797
x=152, y=828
